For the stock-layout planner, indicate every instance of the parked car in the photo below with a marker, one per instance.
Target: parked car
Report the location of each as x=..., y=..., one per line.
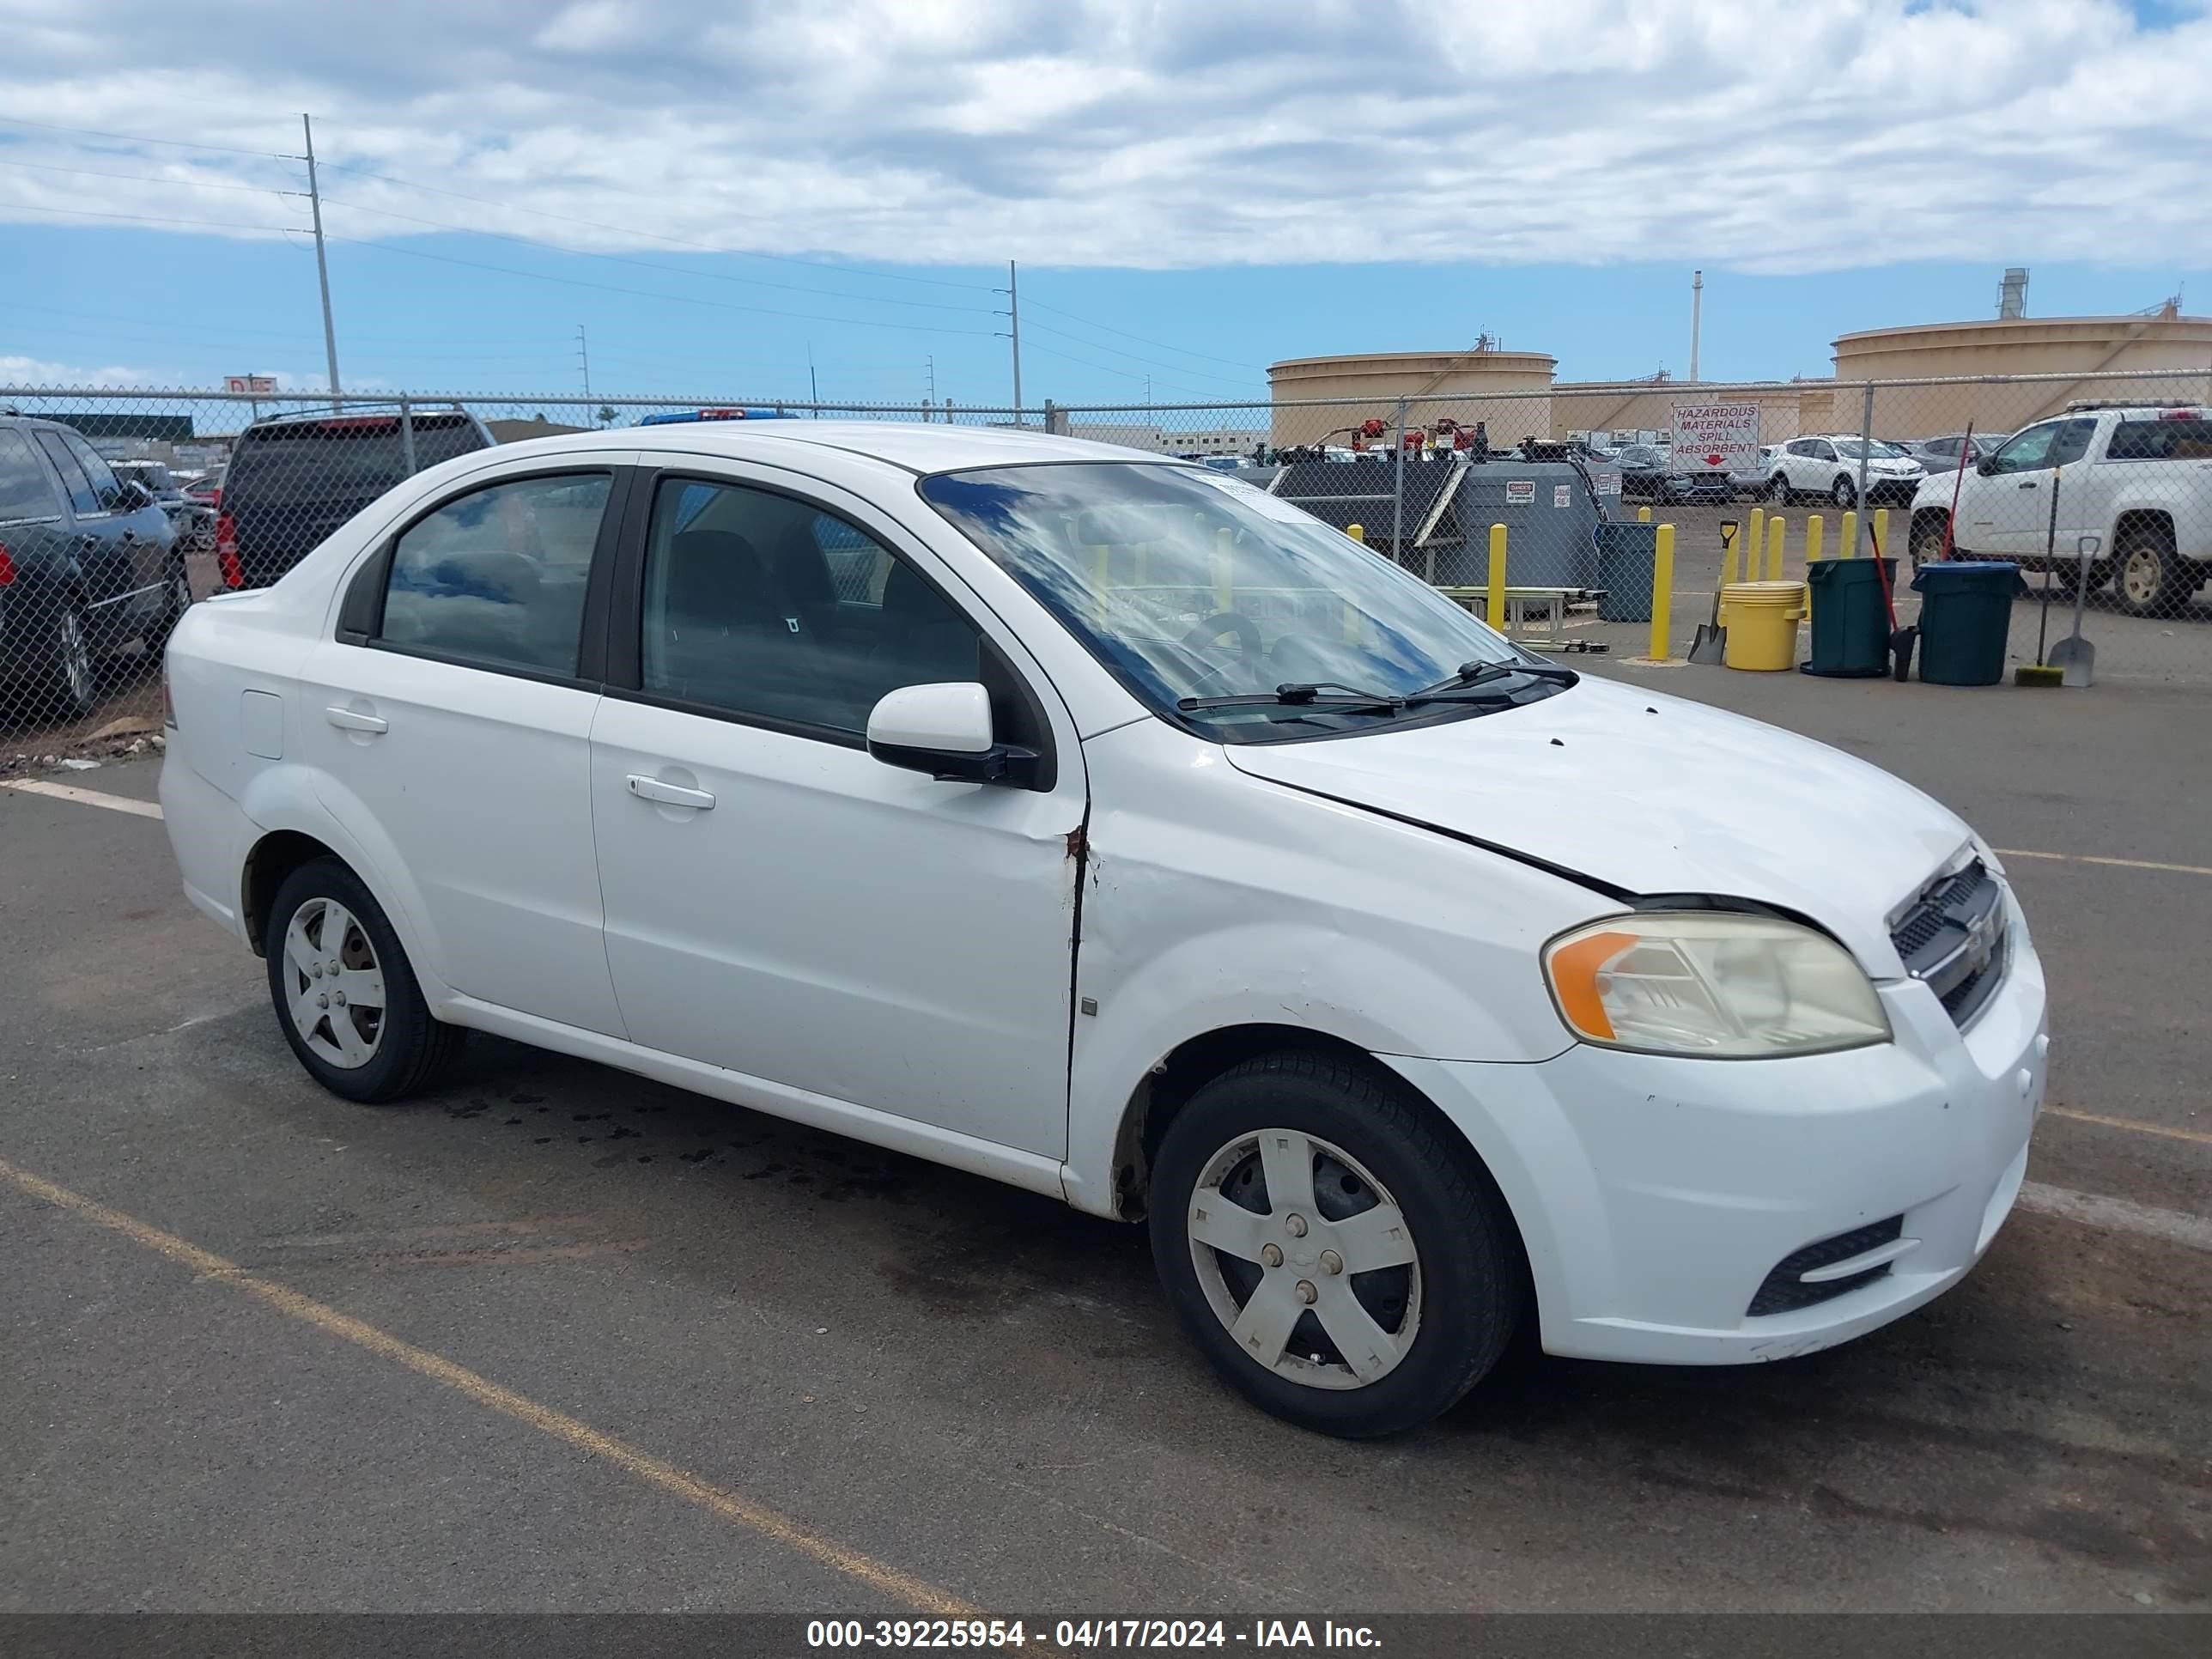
x=88, y=565
x=204, y=489
x=1829, y=466
x=1946, y=454
x=1652, y=474
x=292, y=479
x=194, y=521
x=1750, y=481
x=2136, y=477
x=1030, y=845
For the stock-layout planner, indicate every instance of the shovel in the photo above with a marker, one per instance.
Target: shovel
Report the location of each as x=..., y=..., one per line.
x=1901, y=640
x=1709, y=647
x=2074, y=657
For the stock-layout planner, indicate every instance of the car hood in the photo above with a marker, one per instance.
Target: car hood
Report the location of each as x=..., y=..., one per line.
x=1647, y=793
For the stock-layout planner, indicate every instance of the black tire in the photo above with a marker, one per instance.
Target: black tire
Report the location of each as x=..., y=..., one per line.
x=174, y=603
x=1927, y=540
x=410, y=1048
x=74, y=678
x=1844, y=493
x=1778, y=489
x=1469, y=1288
x=2154, y=581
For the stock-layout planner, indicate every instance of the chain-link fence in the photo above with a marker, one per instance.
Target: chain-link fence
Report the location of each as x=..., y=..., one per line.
x=120, y=507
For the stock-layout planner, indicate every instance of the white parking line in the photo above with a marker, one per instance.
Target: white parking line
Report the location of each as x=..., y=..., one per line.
x=2116, y=864
x=144, y=809
x=2118, y=1214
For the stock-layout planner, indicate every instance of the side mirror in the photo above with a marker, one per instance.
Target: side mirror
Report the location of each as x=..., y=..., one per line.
x=130, y=496
x=1987, y=466
x=945, y=731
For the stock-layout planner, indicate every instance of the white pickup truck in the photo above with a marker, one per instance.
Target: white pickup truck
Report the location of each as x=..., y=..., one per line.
x=2138, y=476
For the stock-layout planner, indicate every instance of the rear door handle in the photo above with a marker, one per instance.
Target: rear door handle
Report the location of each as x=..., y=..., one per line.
x=669, y=794
x=2028, y=484
x=347, y=720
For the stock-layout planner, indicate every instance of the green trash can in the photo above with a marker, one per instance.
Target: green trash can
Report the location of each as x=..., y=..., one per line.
x=1965, y=615
x=1626, y=553
x=1850, y=617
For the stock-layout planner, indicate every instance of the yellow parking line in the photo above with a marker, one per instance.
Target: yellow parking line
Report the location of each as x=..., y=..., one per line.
x=2196, y=1135
x=69, y=792
x=2117, y=864
x=654, y=1471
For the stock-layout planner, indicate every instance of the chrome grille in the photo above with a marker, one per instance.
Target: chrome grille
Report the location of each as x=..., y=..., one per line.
x=1951, y=939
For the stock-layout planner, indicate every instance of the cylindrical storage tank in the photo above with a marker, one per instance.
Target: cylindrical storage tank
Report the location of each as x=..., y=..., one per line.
x=2163, y=359
x=1509, y=391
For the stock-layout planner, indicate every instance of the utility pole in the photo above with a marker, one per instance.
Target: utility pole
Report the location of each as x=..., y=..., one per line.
x=1014, y=316
x=322, y=262
x=813, y=389
x=1697, y=316
x=584, y=358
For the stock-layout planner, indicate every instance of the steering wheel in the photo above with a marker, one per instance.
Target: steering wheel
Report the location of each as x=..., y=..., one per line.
x=1249, y=646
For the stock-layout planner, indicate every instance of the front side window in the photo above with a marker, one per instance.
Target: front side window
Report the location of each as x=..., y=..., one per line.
x=2028, y=451
x=497, y=576
x=1190, y=584
x=767, y=607
x=24, y=491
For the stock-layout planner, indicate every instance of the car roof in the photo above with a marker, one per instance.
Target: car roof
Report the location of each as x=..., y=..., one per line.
x=911, y=445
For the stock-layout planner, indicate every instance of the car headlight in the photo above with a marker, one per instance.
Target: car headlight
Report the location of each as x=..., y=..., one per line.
x=1710, y=983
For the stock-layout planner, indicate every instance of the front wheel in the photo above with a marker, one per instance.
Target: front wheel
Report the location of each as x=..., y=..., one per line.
x=1927, y=545
x=346, y=997
x=1341, y=1259
x=1777, y=490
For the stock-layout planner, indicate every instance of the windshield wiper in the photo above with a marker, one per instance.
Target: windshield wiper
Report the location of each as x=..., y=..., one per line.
x=1473, y=674
x=1315, y=694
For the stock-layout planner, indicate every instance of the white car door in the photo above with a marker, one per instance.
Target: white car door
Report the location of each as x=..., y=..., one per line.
x=2003, y=512
x=778, y=901
x=449, y=723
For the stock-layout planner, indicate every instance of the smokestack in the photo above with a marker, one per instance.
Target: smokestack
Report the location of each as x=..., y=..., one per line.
x=2012, y=293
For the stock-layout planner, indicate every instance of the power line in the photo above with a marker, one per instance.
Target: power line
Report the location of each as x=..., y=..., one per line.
x=1196, y=373
x=132, y=138
x=147, y=219
x=651, y=294
x=652, y=264
x=147, y=178
x=1195, y=395
x=1183, y=351
x=662, y=236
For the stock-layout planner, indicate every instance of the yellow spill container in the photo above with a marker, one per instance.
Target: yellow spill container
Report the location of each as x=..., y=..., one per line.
x=1762, y=620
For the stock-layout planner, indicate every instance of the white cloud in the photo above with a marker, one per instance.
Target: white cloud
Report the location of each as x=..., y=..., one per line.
x=37, y=372
x=1766, y=135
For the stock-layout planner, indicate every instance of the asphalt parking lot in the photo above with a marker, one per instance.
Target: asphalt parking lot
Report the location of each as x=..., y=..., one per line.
x=560, y=1340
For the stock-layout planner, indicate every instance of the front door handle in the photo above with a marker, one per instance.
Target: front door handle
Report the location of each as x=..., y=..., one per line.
x=2028, y=484
x=348, y=719
x=669, y=794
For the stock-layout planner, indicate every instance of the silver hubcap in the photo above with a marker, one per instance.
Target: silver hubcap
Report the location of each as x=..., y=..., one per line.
x=76, y=658
x=335, y=989
x=1306, y=1259
x=2141, y=576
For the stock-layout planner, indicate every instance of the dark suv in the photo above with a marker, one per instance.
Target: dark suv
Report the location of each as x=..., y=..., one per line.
x=89, y=563
x=295, y=478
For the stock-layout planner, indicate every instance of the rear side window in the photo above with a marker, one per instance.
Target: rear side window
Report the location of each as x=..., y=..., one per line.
x=354, y=457
x=24, y=491
x=497, y=576
x=95, y=467
x=74, y=481
x=2162, y=440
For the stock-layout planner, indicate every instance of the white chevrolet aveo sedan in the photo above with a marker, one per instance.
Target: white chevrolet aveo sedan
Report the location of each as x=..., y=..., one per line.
x=1104, y=825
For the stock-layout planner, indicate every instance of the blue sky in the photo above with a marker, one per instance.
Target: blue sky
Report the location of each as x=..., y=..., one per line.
x=1192, y=192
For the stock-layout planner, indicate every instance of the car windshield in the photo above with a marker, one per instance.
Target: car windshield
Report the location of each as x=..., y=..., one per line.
x=1189, y=583
x=1877, y=450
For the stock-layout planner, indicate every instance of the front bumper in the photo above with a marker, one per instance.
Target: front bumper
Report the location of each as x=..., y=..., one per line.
x=1656, y=1195
x=1894, y=492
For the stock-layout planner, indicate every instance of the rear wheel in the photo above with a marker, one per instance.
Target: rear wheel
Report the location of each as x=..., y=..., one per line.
x=1339, y=1257
x=1778, y=489
x=74, y=680
x=2153, y=580
x=174, y=602
x=346, y=994
x=1844, y=493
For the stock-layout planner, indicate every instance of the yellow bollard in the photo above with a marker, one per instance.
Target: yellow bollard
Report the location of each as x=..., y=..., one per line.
x=1662, y=591
x=1357, y=532
x=1224, y=581
x=1882, y=531
x=1494, y=603
x=1815, y=528
x=1850, y=536
x=1753, y=540
x=1777, y=533
x=1644, y=515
